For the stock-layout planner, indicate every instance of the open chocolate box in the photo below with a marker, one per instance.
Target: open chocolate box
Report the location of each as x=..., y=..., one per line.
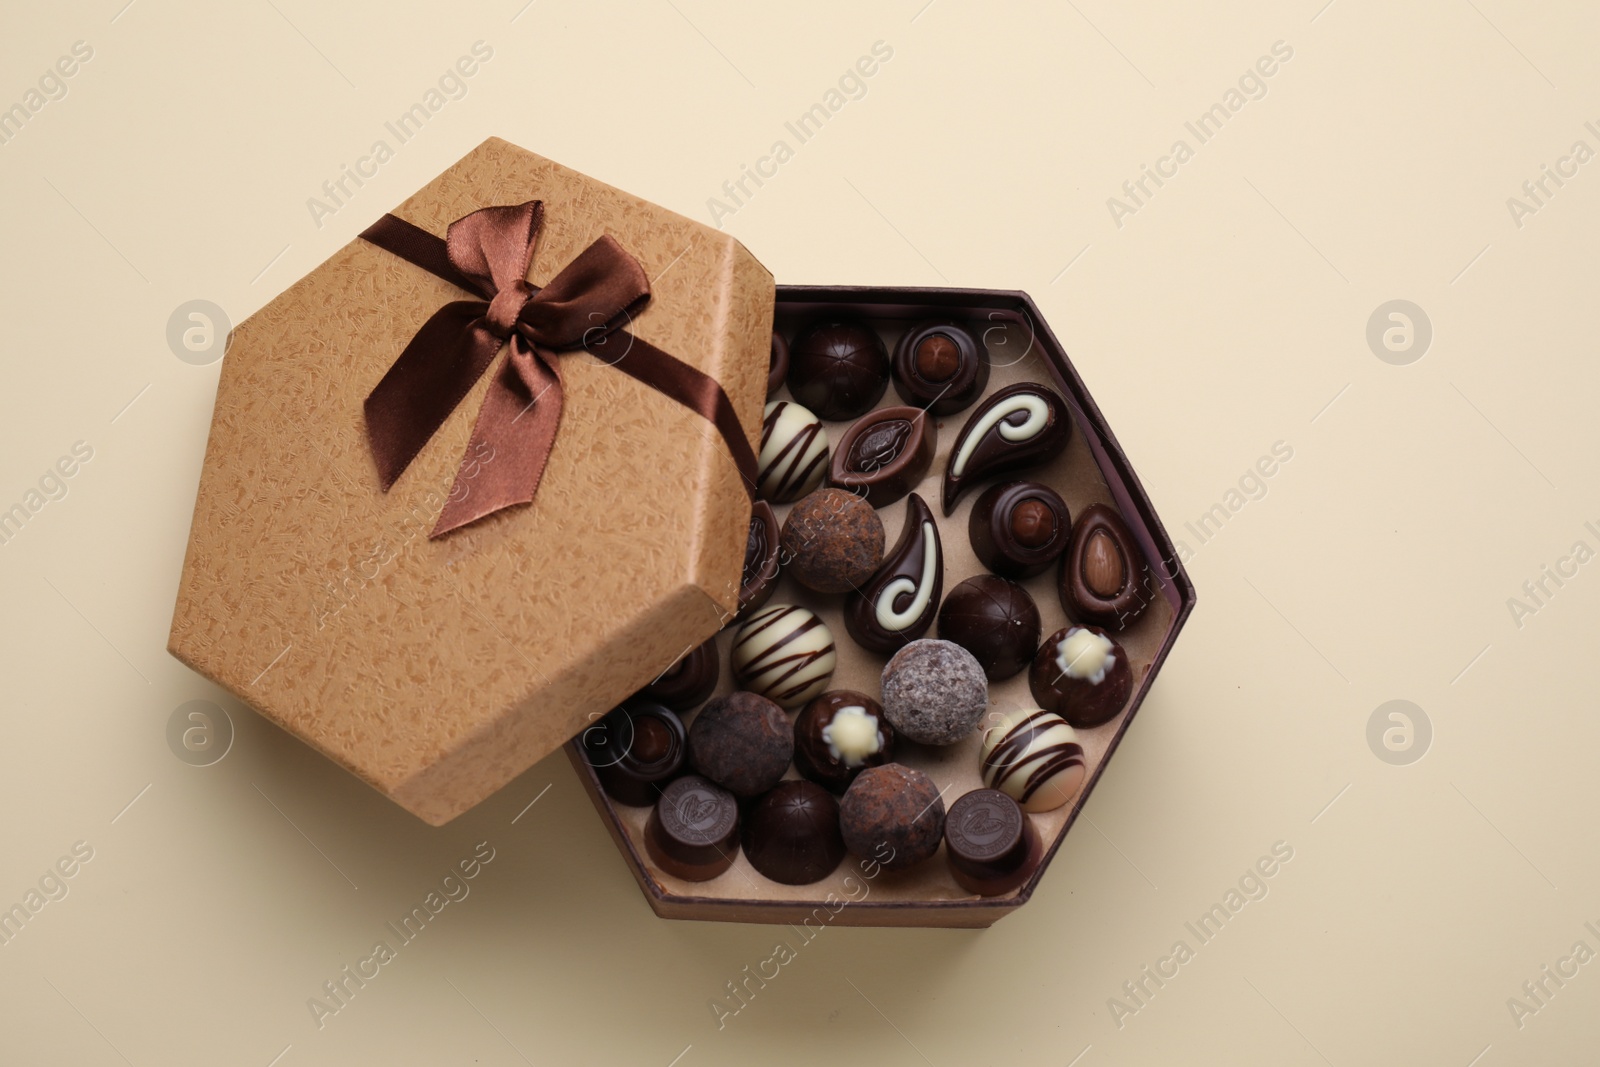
x=1091, y=470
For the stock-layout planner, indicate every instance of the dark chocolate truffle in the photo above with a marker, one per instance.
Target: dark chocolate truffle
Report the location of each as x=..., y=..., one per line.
x=892, y=814
x=1018, y=427
x=899, y=601
x=941, y=366
x=794, y=452
x=635, y=750
x=839, y=734
x=1081, y=674
x=761, y=559
x=991, y=845
x=743, y=742
x=838, y=368
x=994, y=619
x=779, y=368
x=690, y=681
x=693, y=831
x=1018, y=529
x=884, y=454
x=1103, y=576
x=832, y=541
x=792, y=836
x=934, y=692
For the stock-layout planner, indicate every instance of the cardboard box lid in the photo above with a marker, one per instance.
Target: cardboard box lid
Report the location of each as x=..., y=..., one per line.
x=438, y=670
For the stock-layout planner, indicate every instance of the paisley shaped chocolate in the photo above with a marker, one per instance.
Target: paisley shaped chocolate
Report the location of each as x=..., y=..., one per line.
x=689, y=682
x=901, y=599
x=1018, y=529
x=794, y=452
x=1103, y=576
x=761, y=559
x=1020, y=426
x=779, y=368
x=884, y=454
x=941, y=366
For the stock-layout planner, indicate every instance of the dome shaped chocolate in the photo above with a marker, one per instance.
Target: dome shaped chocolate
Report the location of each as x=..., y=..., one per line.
x=791, y=834
x=994, y=619
x=1018, y=529
x=838, y=368
x=941, y=366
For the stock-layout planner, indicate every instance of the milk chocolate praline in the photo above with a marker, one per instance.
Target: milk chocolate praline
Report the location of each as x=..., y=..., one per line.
x=1082, y=674
x=892, y=814
x=743, y=742
x=897, y=604
x=832, y=541
x=635, y=750
x=884, y=454
x=941, y=366
x=994, y=619
x=688, y=682
x=1103, y=578
x=693, y=831
x=1018, y=529
x=761, y=559
x=840, y=734
x=991, y=845
x=838, y=368
x=791, y=834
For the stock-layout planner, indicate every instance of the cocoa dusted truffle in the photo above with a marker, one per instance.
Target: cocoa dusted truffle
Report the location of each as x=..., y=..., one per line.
x=793, y=457
x=635, y=750
x=934, y=691
x=884, y=454
x=838, y=368
x=785, y=653
x=839, y=734
x=994, y=619
x=941, y=366
x=1018, y=529
x=761, y=564
x=991, y=845
x=688, y=682
x=892, y=814
x=832, y=541
x=792, y=836
x=1020, y=426
x=742, y=742
x=1102, y=577
x=693, y=831
x=1081, y=674
x=897, y=604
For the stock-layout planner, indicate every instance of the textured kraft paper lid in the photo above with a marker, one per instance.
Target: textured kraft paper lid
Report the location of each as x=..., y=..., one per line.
x=438, y=670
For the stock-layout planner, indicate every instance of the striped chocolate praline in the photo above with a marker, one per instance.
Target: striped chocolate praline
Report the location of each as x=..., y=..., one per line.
x=794, y=452
x=785, y=653
x=1033, y=757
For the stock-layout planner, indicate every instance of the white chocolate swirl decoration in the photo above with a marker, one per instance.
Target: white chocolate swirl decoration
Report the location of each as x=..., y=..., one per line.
x=784, y=653
x=889, y=618
x=1038, y=417
x=794, y=452
x=1085, y=654
x=1033, y=757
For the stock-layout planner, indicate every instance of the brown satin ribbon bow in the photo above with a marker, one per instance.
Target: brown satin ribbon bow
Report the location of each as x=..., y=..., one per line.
x=488, y=253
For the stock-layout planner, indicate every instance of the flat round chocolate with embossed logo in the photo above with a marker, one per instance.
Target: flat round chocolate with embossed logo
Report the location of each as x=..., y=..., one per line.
x=983, y=825
x=693, y=831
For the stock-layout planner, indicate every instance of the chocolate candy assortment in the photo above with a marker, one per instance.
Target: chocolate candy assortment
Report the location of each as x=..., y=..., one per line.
x=798, y=773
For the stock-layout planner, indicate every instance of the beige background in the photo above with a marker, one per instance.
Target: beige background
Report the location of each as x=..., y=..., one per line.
x=1227, y=314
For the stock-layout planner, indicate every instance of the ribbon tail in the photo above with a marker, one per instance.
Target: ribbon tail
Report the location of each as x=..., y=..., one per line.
x=511, y=441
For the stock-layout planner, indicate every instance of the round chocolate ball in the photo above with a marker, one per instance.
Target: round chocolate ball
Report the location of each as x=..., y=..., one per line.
x=934, y=692
x=635, y=750
x=743, y=742
x=994, y=619
x=693, y=831
x=838, y=735
x=792, y=836
x=832, y=541
x=838, y=368
x=1081, y=674
x=892, y=814
x=1034, y=757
